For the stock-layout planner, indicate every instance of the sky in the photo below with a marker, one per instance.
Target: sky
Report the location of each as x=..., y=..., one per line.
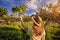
x=33, y=5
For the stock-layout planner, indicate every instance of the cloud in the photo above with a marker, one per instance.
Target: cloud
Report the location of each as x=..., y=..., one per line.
x=33, y=4
x=54, y=2
x=34, y=13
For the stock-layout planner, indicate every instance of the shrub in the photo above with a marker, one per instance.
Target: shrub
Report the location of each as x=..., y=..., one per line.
x=7, y=33
x=53, y=31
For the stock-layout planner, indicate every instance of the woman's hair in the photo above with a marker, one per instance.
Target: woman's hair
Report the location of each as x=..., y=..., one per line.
x=36, y=19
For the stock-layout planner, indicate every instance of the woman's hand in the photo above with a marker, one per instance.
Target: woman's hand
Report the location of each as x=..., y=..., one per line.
x=23, y=23
x=21, y=17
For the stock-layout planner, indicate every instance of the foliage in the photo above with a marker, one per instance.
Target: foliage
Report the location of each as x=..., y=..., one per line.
x=8, y=33
x=52, y=31
x=3, y=11
x=51, y=13
x=27, y=18
x=15, y=31
x=19, y=9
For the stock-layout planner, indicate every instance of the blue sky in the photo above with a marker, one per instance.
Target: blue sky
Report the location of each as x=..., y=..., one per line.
x=33, y=5
x=9, y=3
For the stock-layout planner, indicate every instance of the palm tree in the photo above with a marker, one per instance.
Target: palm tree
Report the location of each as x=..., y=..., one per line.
x=19, y=9
x=3, y=11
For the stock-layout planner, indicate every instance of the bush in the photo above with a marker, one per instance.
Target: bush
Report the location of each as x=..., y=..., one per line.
x=7, y=33
x=53, y=31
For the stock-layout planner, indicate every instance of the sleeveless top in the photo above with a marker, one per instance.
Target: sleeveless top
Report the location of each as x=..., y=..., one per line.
x=32, y=35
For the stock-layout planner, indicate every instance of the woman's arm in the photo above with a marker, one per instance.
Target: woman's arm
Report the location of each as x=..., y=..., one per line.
x=23, y=23
x=36, y=22
x=40, y=19
x=43, y=38
x=43, y=35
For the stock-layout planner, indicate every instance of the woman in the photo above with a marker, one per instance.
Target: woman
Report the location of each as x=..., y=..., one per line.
x=37, y=31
